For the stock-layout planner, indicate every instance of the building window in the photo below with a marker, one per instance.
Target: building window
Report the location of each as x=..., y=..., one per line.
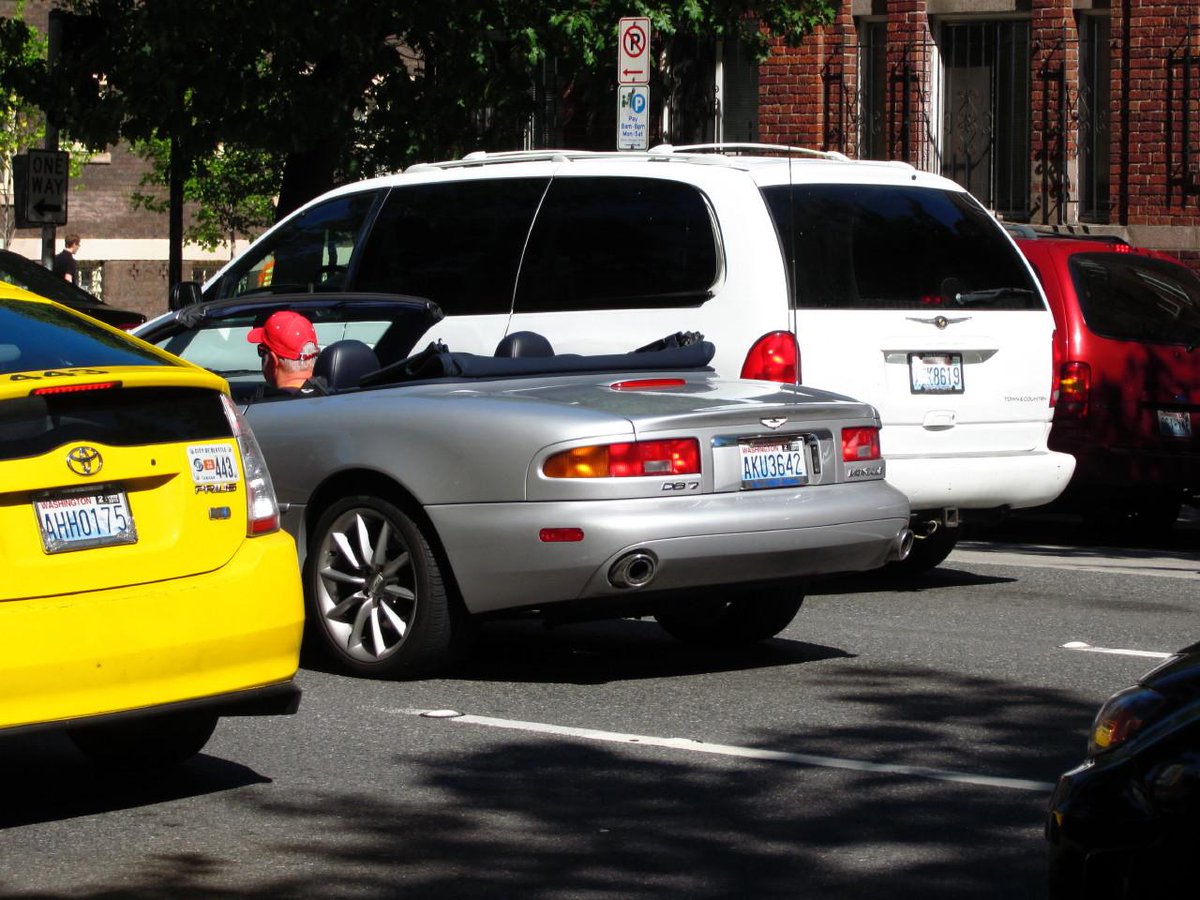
x=872, y=127
x=1095, y=63
x=986, y=112
x=91, y=278
x=737, y=92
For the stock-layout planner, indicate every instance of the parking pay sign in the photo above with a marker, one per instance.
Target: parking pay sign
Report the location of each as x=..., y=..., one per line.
x=633, y=117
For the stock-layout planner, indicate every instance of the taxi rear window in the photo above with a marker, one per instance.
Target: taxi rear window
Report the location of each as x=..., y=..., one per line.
x=119, y=417
x=38, y=337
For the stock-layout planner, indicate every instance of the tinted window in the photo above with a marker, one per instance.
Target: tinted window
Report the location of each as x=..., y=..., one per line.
x=618, y=243
x=456, y=243
x=36, y=337
x=888, y=247
x=1131, y=298
x=311, y=251
x=121, y=417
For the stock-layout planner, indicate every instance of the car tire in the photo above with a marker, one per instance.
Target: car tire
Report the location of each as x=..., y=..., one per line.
x=376, y=602
x=733, y=619
x=927, y=552
x=157, y=742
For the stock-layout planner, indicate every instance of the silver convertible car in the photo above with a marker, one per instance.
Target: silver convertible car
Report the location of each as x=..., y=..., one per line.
x=428, y=489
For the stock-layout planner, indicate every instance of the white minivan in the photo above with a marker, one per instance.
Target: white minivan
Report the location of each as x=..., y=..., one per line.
x=871, y=279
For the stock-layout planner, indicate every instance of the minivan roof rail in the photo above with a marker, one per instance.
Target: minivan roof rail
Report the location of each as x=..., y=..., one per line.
x=737, y=147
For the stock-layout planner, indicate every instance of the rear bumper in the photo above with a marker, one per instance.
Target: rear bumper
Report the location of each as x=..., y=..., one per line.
x=981, y=482
x=205, y=639
x=500, y=563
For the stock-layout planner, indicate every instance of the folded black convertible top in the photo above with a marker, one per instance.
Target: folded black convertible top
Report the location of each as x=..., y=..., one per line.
x=436, y=361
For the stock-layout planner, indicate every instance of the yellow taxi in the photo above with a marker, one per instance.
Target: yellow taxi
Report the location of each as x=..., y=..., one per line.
x=148, y=589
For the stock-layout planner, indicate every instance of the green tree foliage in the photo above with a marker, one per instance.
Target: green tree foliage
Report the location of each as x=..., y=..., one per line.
x=21, y=123
x=233, y=191
x=341, y=90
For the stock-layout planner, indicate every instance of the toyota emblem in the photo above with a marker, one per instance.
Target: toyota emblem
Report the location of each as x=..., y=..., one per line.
x=84, y=460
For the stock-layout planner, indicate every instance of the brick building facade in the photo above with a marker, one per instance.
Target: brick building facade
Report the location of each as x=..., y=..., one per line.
x=1081, y=114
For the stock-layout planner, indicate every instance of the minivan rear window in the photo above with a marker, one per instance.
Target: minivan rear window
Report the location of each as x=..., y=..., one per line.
x=858, y=246
x=1134, y=298
x=619, y=243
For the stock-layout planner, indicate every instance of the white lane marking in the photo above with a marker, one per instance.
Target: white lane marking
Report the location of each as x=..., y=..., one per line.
x=1037, y=557
x=691, y=746
x=1088, y=648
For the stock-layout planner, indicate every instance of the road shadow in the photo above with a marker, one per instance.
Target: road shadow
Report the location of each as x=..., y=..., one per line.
x=614, y=650
x=47, y=780
x=500, y=814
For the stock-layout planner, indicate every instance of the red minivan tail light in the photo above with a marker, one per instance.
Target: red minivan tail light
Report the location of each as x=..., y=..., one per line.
x=774, y=357
x=626, y=460
x=1074, y=387
x=860, y=444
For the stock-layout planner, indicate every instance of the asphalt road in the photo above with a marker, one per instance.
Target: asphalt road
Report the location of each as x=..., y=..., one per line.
x=899, y=740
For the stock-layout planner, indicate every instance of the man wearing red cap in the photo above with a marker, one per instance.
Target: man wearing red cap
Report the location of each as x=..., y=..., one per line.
x=287, y=344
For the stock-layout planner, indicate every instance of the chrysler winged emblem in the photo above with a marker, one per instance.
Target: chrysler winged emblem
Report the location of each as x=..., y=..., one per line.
x=939, y=321
x=774, y=421
x=84, y=460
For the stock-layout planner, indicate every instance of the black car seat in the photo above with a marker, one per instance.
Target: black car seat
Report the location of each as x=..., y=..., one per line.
x=342, y=364
x=523, y=343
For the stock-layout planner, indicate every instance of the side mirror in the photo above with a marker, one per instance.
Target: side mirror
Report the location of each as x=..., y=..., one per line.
x=185, y=293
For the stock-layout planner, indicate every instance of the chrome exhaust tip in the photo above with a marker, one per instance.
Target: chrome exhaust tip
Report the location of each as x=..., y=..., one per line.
x=902, y=546
x=633, y=570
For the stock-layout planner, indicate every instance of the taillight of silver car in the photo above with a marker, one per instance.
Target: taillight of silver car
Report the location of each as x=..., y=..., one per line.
x=262, y=509
x=860, y=444
x=774, y=357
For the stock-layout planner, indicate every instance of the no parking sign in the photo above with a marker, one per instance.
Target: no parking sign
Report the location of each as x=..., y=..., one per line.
x=633, y=78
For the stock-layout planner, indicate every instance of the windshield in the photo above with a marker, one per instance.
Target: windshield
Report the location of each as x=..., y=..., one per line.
x=858, y=246
x=38, y=337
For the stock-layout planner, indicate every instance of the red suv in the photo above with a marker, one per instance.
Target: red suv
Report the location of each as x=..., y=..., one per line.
x=1128, y=329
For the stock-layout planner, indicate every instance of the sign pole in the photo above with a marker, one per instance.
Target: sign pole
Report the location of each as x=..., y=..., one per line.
x=53, y=43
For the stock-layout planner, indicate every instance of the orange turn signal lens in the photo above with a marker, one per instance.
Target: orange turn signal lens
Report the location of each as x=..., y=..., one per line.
x=625, y=460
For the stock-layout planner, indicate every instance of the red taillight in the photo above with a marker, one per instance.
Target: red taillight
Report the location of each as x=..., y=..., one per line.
x=859, y=444
x=1074, y=387
x=74, y=388
x=262, y=509
x=626, y=460
x=774, y=357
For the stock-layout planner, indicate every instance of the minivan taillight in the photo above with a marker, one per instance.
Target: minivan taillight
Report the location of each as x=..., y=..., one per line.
x=774, y=357
x=1074, y=386
x=262, y=509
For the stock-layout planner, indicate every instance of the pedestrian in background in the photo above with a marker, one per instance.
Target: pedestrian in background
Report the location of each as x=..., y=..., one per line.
x=64, y=262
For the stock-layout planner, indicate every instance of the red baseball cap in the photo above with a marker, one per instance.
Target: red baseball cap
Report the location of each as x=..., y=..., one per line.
x=285, y=333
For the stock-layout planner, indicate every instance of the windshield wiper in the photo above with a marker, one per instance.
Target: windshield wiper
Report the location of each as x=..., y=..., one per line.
x=968, y=298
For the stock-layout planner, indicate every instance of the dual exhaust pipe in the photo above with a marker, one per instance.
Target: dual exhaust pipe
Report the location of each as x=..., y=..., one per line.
x=901, y=546
x=635, y=569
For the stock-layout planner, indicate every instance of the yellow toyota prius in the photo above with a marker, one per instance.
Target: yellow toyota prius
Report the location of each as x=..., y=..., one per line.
x=147, y=587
